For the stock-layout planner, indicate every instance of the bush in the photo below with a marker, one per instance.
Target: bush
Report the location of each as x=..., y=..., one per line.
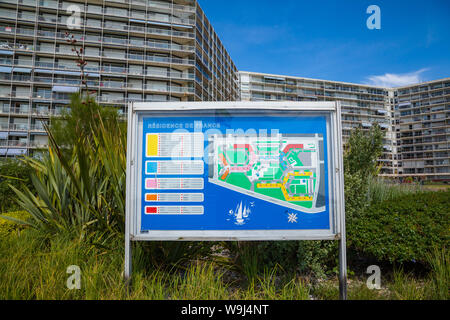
x=403, y=229
x=12, y=172
x=8, y=226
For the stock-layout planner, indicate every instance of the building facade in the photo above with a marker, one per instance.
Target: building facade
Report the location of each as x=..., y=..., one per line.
x=361, y=105
x=422, y=115
x=136, y=50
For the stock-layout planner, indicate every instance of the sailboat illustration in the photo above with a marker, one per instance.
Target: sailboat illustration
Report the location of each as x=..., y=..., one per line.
x=241, y=213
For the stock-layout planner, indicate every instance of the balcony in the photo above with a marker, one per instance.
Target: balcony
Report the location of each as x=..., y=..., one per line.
x=43, y=95
x=112, y=69
x=18, y=46
x=169, y=6
x=170, y=60
x=106, y=99
x=13, y=143
x=20, y=111
x=18, y=127
x=37, y=127
x=169, y=74
x=40, y=112
x=113, y=84
x=172, y=33
x=173, y=89
x=38, y=144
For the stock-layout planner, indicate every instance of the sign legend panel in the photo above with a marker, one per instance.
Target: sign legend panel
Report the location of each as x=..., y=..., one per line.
x=173, y=174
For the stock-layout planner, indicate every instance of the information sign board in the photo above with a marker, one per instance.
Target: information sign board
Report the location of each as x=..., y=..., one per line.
x=234, y=171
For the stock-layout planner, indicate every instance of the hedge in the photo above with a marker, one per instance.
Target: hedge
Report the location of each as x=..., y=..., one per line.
x=403, y=229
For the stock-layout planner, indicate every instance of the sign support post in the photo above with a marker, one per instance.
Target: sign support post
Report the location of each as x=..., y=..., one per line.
x=342, y=269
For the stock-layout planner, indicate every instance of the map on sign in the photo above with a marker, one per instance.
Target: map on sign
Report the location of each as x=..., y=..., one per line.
x=284, y=169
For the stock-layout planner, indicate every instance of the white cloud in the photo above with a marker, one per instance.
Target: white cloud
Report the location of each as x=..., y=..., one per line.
x=390, y=80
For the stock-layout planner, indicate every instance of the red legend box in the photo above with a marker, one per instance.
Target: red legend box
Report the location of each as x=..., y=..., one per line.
x=150, y=210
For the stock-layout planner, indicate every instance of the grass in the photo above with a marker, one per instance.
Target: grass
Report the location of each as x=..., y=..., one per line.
x=439, y=260
x=382, y=190
x=405, y=287
x=32, y=267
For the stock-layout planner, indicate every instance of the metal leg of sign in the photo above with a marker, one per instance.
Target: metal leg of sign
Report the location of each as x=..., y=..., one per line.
x=342, y=268
x=128, y=257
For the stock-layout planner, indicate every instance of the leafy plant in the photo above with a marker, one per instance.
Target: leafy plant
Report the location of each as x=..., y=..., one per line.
x=81, y=190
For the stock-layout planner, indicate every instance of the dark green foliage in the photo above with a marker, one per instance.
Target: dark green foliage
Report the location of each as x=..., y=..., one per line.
x=16, y=173
x=404, y=229
x=168, y=254
x=306, y=257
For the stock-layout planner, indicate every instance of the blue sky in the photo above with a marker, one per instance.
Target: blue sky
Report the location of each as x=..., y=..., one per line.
x=330, y=40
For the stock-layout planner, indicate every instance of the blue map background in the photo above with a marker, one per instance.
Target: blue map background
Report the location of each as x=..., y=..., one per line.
x=218, y=201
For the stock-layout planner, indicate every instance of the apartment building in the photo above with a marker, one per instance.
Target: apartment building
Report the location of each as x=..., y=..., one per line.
x=136, y=50
x=361, y=105
x=422, y=115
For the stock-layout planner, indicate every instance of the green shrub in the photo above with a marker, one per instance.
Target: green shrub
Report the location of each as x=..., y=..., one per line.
x=8, y=226
x=403, y=229
x=12, y=172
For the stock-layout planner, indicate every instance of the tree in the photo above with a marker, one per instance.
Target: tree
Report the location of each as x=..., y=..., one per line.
x=83, y=117
x=363, y=150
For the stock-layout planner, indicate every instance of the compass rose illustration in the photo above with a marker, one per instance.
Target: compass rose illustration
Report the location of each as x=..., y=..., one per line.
x=292, y=218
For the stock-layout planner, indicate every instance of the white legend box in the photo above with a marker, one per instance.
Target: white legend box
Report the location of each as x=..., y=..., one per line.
x=175, y=167
x=174, y=197
x=174, y=210
x=174, y=183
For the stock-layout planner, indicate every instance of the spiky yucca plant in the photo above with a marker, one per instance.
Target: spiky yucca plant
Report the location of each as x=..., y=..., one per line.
x=80, y=188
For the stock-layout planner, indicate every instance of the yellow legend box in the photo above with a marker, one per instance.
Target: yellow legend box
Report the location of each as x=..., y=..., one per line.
x=152, y=145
